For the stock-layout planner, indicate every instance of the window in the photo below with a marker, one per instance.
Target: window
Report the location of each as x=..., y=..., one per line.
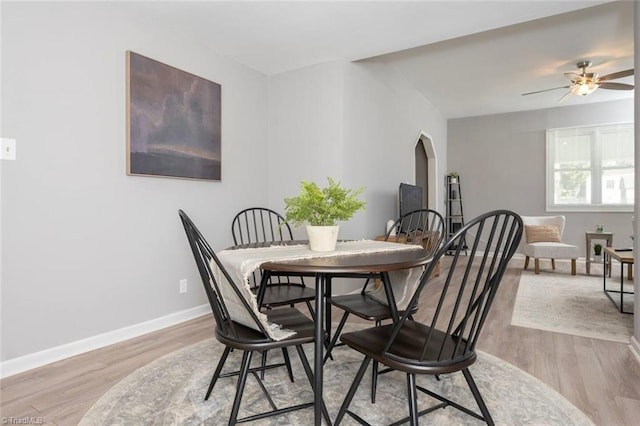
x=590, y=168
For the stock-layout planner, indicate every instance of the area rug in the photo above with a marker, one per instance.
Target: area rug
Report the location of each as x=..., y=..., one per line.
x=170, y=391
x=572, y=304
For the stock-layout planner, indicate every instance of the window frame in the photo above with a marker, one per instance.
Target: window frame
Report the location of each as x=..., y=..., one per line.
x=595, y=168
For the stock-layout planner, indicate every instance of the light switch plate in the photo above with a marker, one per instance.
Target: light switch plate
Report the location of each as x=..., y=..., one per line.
x=8, y=149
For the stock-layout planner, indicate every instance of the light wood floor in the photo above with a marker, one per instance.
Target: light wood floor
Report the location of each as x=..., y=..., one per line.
x=601, y=378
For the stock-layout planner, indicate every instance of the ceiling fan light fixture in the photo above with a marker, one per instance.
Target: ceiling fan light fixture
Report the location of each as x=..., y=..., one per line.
x=584, y=88
x=585, y=83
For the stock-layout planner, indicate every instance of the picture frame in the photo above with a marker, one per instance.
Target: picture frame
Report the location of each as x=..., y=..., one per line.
x=173, y=122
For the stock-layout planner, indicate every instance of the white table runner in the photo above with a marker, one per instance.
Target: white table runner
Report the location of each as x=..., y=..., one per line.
x=241, y=263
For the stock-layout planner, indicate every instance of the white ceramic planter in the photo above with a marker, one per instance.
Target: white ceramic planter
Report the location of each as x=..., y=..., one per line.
x=322, y=238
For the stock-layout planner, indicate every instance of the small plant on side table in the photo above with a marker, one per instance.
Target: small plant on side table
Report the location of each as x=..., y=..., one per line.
x=597, y=249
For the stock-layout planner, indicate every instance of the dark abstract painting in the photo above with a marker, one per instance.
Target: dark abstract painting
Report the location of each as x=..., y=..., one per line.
x=173, y=121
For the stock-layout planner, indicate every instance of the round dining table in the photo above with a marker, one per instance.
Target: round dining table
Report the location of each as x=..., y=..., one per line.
x=343, y=266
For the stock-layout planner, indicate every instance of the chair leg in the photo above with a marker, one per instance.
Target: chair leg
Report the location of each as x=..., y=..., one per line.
x=216, y=374
x=537, y=265
x=307, y=370
x=374, y=374
x=374, y=381
x=413, y=399
x=287, y=362
x=334, y=339
x=476, y=394
x=573, y=266
x=311, y=311
x=352, y=390
x=553, y=264
x=264, y=363
x=242, y=380
x=526, y=262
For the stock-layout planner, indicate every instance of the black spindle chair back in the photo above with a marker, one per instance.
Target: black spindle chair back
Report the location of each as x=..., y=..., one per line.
x=257, y=225
x=456, y=304
x=469, y=287
x=204, y=255
x=425, y=227
x=247, y=339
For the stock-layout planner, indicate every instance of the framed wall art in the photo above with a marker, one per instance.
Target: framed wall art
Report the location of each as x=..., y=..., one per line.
x=173, y=122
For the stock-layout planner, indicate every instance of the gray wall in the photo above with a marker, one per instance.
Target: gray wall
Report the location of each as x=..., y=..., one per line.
x=384, y=118
x=356, y=122
x=305, y=129
x=501, y=161
x=87, y=249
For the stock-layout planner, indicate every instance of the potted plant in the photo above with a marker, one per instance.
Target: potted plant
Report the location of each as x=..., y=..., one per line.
x=321, y=209
x=453, y=177
x=597, y=250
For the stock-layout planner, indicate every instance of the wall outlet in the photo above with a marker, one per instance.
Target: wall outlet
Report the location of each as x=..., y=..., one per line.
x=183, y=286
x=7, y=149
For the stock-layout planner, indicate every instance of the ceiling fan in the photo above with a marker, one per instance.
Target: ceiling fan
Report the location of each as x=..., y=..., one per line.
x=585, y=83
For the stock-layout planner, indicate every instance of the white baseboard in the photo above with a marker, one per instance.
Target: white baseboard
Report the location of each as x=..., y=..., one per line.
x=635, y=348
x=47, y=356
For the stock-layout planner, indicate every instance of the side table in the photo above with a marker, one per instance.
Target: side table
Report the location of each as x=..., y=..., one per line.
x=606, y=236
x=623, y=256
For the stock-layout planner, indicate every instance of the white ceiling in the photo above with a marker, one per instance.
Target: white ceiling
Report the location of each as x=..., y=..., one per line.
x=466, y=57
x=488, y=72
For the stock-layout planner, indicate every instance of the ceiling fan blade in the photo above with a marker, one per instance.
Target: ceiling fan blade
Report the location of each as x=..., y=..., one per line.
x=616, y=86
x=572, y=75
x=546, y=90
x=615, y=75
x=565, y=97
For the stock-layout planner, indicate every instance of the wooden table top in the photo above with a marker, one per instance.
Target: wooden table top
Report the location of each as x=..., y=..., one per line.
x=383, y=261
x=353, y=263
x=624, y=256
x=596, y=233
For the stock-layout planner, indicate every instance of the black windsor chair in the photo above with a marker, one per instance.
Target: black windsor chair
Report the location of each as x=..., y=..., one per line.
x=248, y=340
x=422, y=227
x=447, y=343
x=262, y=225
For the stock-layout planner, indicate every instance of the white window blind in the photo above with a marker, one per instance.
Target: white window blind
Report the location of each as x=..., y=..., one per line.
x=590, y=168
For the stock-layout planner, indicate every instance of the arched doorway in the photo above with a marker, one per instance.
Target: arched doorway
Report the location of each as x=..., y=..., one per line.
x=425, y=169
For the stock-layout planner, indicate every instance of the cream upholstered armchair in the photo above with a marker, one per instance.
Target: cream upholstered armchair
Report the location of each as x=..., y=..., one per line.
x=543, y=239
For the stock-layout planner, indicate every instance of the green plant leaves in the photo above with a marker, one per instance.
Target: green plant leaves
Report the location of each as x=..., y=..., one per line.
x=323, y=206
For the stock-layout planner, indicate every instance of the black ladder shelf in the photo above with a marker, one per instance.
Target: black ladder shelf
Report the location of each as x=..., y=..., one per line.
x=455, y=216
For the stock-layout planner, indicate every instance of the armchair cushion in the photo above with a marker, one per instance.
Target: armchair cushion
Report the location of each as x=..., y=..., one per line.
x=551, y=250
x=542, y=233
